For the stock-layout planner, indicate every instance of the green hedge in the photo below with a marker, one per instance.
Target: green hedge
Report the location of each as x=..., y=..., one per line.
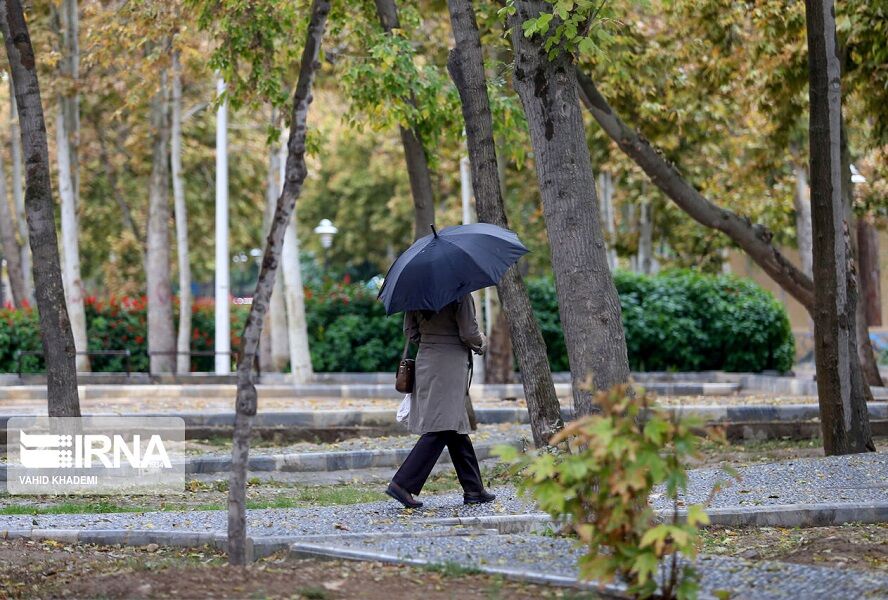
x=679, y=320
x=113, y=324
x=686, y=321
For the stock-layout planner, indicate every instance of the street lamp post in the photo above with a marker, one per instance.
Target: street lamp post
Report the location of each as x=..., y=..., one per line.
x=326, y=230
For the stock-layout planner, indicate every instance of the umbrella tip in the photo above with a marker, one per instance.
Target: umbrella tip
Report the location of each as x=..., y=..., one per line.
x=435, y=231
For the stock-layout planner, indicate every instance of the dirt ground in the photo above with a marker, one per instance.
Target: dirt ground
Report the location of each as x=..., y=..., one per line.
x=52, y=570
x=851, y=546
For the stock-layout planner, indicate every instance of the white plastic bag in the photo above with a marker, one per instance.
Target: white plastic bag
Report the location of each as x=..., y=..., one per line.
x=404, y=409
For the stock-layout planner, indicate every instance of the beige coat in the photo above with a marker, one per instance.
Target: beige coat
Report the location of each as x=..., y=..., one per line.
x=446, y=341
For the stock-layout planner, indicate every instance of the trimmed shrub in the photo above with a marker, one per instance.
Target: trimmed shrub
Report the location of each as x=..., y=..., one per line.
x=348, y=330
x=113, y=324
x=685, y=321
x=679, y=320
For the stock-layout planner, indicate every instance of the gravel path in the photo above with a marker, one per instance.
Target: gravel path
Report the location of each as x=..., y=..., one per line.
x=832, y=479
x=549, y=556
x=375, y=517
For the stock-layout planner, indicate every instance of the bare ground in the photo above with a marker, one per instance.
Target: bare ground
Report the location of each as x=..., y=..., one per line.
x=31, y=569
x=850, y=546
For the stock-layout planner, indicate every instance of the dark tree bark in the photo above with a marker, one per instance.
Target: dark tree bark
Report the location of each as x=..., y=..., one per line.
x=500, y=361
x=414, y=149
x=161, y=332
x=870, y=273
x=55, y=326
x=840, y=387
x=245, y=407
x=754, y=239
x=588, y=303
x=466, y=66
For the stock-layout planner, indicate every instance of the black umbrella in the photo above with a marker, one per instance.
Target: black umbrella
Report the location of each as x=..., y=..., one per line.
x=444, y=266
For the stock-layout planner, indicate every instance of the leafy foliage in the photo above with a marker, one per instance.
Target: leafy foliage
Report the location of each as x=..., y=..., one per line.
x=596, y=478
x=574, y=26
x=685, y=321
x=349, y=331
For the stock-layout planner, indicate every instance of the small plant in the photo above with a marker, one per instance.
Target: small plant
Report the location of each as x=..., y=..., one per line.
x=596, y=478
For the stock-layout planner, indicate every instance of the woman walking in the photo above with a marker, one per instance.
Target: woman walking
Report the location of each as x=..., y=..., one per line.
x=438, y=414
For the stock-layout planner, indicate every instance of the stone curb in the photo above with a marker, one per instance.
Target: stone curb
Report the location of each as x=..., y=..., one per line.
x=384, y=417
x=778, y=515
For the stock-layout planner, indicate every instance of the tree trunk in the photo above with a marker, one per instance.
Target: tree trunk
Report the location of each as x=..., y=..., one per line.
x=18, y=193
x=802, y=201
x=70, y=250
x=500, y=360
x=294, y=293
x=55, y=326
x=183, y=340
x=870, y=273
x=754, y=239
x=296, y=171
x=10, y=246
x=466, y=66
x=222, y=313
x=865, y=353
x=161, y=336
x=277, y=337
x=67, y=136
x=414, y=149
x=645, y=238
x=606, y=190
x=840, y=387
x=588, y=303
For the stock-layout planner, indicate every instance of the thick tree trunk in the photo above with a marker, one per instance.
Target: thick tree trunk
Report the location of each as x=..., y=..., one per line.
x=18, y=194
x=466, y=66
x=55, y=326
x=840, y=387
x=414, y=150
x=276, y=338
x=183, y=340
x=161, y=335
x=10, y=246
x=870, y=272
x=296, y=171
x=588, y=303
x=802, y=202
x=754, y=239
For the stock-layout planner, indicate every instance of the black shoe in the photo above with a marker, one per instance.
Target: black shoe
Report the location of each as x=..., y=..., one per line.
x=403, y=496
x=480, y=498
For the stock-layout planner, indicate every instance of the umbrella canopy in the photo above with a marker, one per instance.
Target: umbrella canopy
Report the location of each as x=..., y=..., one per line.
x=444, y=266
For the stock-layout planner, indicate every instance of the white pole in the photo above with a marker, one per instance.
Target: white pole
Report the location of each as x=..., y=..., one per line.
x=465, y=178
x=223, y=321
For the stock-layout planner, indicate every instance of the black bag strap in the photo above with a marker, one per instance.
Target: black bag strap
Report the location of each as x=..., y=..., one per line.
x=406, y=347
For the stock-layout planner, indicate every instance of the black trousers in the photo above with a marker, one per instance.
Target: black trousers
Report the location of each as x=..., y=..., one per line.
x=416, y=469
